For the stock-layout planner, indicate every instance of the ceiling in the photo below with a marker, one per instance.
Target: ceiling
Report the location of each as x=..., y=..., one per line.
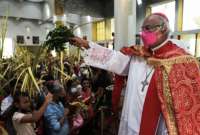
x=95, y=8
x=36, y=0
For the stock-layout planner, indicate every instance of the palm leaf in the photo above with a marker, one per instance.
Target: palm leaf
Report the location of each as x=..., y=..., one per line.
x=33, y=78
x=24, y=83
x=8, y=82
x=6, y=70
x=67, y=77
x=23, y=71
x=19, y=66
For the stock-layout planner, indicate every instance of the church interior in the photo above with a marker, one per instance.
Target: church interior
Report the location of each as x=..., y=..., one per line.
x=35, y=49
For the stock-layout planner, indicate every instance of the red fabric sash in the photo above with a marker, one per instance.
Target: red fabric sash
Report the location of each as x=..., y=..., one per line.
x=151, y=109
x=118, y=85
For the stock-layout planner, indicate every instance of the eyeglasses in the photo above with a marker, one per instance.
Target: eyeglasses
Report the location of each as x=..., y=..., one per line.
x=152, y=28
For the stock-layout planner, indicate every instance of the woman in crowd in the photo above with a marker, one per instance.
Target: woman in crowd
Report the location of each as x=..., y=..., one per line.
x=55, y=116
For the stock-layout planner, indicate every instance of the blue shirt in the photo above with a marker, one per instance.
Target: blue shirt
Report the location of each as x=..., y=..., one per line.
x=54, y=112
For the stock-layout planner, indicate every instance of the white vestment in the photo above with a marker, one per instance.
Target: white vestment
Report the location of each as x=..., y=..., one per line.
x=137, y=69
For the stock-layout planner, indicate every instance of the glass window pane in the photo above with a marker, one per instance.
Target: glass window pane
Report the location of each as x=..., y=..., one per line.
x=191, y=16
x=112, y=25
x=168, y=9
x=198, y=46
x=101, y=31
x=190, y=41
x=8, y=48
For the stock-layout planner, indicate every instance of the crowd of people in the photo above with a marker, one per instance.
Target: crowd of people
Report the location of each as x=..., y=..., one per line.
x=70, y=108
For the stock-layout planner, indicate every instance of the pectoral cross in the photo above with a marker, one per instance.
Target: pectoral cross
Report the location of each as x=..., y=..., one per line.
x=144, y=84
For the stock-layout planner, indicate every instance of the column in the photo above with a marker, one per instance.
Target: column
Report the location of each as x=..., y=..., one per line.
x=60, y=17
x=125, y=23
x=86, y=27
x=121, y=23
x=132, y=22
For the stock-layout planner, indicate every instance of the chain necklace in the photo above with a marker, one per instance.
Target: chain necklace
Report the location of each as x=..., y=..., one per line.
x=145, y=82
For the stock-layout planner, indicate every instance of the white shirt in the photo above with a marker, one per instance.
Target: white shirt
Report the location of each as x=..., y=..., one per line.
x=6, y=102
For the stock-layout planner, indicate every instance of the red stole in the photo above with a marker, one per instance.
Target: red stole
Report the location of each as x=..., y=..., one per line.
x=152, y=105
x=182, y=103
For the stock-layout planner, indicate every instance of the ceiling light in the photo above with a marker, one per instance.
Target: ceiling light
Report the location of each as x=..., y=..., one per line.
x=89, y=19
x=139, y=2
x=28, y=29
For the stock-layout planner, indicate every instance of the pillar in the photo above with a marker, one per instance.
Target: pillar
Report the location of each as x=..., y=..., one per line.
x=125, y=23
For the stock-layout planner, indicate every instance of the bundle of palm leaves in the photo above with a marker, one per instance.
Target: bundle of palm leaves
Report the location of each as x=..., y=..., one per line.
x=22, y=67
x=57, y=38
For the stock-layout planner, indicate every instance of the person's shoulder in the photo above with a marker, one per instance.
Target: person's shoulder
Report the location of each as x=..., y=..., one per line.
x=51, y=108
x=61, y=104
x=17, y=116
x=5, y=100
x=18, y=113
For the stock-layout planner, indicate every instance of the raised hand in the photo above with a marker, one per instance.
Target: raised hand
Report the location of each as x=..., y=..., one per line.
x=79, y=42
x=49, y=97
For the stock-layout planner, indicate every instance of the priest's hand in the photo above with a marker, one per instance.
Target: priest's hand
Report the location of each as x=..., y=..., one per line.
x=79, y=42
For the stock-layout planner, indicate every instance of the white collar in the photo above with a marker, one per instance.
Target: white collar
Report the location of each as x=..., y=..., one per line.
x=159, y=46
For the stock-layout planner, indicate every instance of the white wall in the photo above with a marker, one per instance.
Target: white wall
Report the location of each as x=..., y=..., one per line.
x=21, y=9
x=47, y=10
x=132, y=22
x=86, y=28
x=30, y=10
x=23, y=15
x=20, y=27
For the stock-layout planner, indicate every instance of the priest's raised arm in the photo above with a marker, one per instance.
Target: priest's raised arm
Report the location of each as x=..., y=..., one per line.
x=104, y=58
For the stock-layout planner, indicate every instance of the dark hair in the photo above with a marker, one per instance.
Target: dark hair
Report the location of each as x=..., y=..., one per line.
x=54, y=87
x=48, y=78
x=12, y=109
x=19, y=94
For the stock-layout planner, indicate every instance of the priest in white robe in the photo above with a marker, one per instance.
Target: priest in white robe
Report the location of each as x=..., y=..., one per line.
x=161, y=93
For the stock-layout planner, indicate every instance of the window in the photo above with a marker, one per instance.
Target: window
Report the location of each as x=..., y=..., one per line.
x=168, y=9
x=198, y=46
x=101, y=31
x=191, y=16
x=190, y=41
x=8, y=48
x=112, y=25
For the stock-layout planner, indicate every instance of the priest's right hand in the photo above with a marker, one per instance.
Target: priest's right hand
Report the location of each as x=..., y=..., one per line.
x=79, y=42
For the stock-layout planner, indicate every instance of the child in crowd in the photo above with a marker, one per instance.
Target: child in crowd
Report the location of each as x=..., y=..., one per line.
x=87, y=95
x=23, y=118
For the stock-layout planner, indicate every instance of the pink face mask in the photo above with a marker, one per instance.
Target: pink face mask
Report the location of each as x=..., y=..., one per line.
x=148, y=38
